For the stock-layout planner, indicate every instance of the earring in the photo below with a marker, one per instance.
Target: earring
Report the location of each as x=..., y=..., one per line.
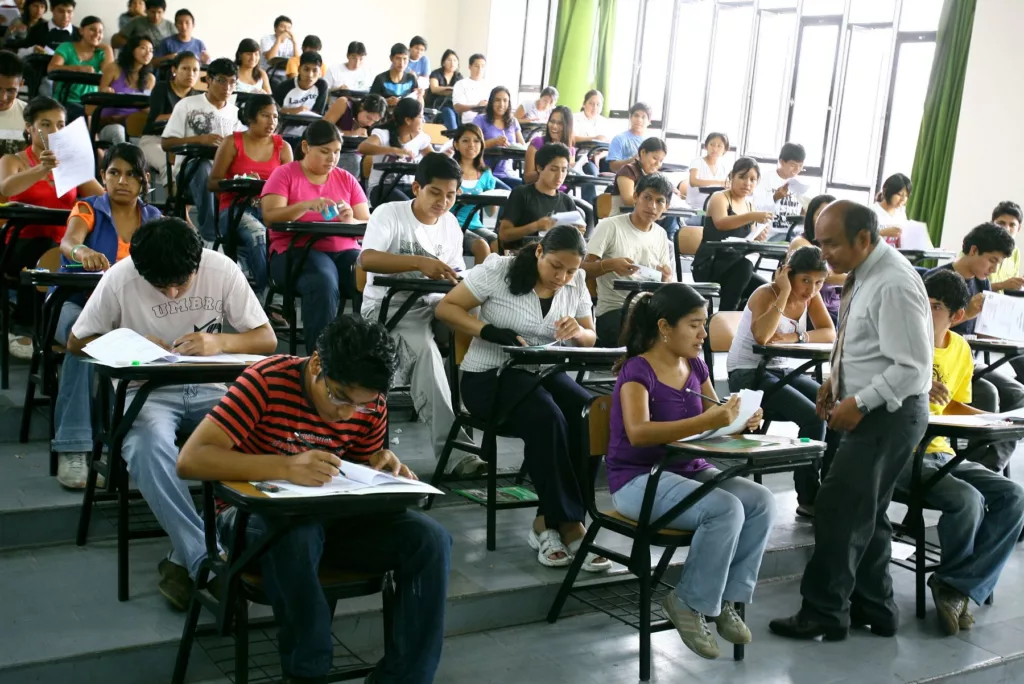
x=664, y=339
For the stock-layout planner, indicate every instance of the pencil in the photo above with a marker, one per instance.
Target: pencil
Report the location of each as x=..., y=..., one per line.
x=713, y=401
x=304, y=442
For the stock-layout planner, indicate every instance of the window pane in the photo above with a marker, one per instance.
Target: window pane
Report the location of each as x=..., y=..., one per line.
x=728, y=68
x=534, y=43
x=692, y=43
x=654, y=53
x=823, y=7
x=503, y=65
x=769, y=101
x=777, y=4
x=920, y=15
x=862, y=196
x=681, y=151
x=626, y=16
x=862, y=107
x=813, y=82
x=878, y=11
x=914, y=63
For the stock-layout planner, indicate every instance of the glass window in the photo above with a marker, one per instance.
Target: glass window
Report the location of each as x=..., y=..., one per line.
x=690, y=67
x=626, y=20
x=653, y=53
x=861, y=196
x=913, y=65
x=872, y=11
x=535, y=43
x=777, y=4
x=503, y=65
x=817, y=8
x=769, y=101
x=729, y=55
x=814, y=70
x=920, y=15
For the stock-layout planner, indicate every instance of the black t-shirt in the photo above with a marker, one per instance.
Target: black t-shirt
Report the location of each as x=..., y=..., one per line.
x=974, y=285
x=526, y=204
x=385, y=87
x=41, y=34
x=161, y=102
x=438, y=101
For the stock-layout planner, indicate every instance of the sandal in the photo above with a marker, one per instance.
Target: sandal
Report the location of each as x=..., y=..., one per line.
x=593, y=562
x=547, y=544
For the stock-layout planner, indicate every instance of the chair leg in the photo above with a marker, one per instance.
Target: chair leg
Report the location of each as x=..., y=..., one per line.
x=491, y=456
x=88, y=500
x=122, y=529
x=919, y=563
x=738, y=650
x=645, y=625
x=574, y=571
x=241, y=640
x=30, y=397
x=53, y=433
x=442, y=461
x=666, y=558
x=188, y=635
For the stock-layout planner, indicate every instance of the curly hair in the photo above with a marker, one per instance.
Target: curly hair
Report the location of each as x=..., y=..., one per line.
x=166, y=252
x=358, y=352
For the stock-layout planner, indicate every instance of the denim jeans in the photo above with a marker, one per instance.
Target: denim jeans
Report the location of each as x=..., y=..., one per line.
x=982, y=516
x=449, y=118
x=995, y=392
x=150, y=451
x=203, y=200
x=73, y=412
x=413, y=545
x=252, y=243
x=731, y=527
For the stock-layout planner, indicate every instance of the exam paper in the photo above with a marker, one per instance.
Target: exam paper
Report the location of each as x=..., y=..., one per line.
x=72, y=146
x=914, y=235
x=750, y=401
x=797, y=187
x=568, y=218
x=357, y=480
x=125, y=347
x=648, y=273
x=1001, y=317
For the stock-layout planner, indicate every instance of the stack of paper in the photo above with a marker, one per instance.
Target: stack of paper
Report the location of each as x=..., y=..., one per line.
x=125, y=347
x=356, y=480
x=1001, y=317
x=750, y=401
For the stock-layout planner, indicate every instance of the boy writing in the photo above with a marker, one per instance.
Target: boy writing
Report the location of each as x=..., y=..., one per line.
x=773, y=192
x=352, y=74
x=530, y=208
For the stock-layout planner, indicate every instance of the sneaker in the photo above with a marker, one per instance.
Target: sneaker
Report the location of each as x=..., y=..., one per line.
x=175, y=584
x=20, y=347
x=692, y=627
x=966, y=620
x=949, y=603
x=474, y=466
x=731, y=626
x=72, y=470
x=805, y=510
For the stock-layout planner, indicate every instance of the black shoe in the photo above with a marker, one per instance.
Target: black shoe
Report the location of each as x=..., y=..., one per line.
x=800, y=627
x=884, y=627
x=175, y=584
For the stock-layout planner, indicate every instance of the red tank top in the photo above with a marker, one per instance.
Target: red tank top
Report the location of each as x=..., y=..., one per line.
x=243, y=164
x=43, y=194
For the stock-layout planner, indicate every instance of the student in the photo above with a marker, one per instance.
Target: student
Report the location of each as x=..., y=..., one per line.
x=500, y=129
x=623, y=148
x=352, y=74
x=982, y=511
x=280, y=44
x=136, y=8
x=310, y=43
x=260, y=151
x=420, y=239
x=32, y=12
x=530, y=207
x=303, y=191
x=709, y=170
x=1007, y=276
x=621, y=244
x=398, y=82
x=171, y=46
x=46, y=36
x=538, y=296
x=443, y=80
x=130, y=74
x=87, y=55
x=732, y=214
x=356, y=118
x=656, y=401
x=419, y=63
x=540, y=109
x=165, y=96
x=789, y=310
x=402, y=140
x=152, y=26
x=773, y=194
x=251, y=78
x=891, y=206
x=476, y=179
x=472, y=92
x=648, y=159
x=590, y=124
x=558, y=130
x=12, y=109
x=307, y=92
x=336, y=398
x=205, y=119
x=830, y=291
x=99, y=233
x=169, y=271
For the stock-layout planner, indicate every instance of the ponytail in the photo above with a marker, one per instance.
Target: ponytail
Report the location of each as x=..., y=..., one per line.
x=670, y=303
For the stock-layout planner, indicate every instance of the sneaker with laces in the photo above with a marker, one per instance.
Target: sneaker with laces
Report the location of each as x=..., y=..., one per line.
x=731, y=626
x=949, y=604
x=692, y=627
x=72, y=470
x=175, y=584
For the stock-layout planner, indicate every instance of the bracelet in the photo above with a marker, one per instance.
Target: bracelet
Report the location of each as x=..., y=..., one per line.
x=74, y=250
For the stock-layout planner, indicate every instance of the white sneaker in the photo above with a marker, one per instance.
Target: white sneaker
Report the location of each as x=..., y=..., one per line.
x=21, y=347
x=72, y=470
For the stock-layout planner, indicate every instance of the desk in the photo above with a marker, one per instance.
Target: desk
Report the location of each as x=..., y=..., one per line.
x=515, y=155
x=812, y=354
x=478, y=202
x=69, y=78
x=415, y=286
x=245, y=191
x=351, y=94
x=398, y=169
x=530, y=128
x=591, y=145
x=635, y=287
x=1013, y=293
x=192, y=155
x=350, y=143
x=297, y=120
x=668, y=167
x=987, y=346
x=916, y=256
x=103, y=101
x=772, y=250
x=573, y=180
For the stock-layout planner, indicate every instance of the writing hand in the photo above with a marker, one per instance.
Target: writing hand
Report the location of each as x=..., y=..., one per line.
x=312, y=468
x=567, y=328
x=198, y=344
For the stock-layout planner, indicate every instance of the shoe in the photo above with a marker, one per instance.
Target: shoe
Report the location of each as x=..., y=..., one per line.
x=949, y=604
x=805, y=510
x=692, y=627
x=175, y=584
x=72, y=469
x=547, y=544
x=20, y=347
x=800, y=627
x=966, y=620
x=881, y=627
x=593, y=562
x=473, y=466
x=731, y=626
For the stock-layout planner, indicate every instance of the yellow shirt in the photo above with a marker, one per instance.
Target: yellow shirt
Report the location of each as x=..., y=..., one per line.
x=953, y=366
x=1009, y=268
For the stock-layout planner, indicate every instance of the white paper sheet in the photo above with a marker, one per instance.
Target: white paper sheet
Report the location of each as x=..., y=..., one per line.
x=797, y=187
x=568, y=218
x=648, y=273
x=357, y=480
x=125, y=347
x=750, y=401
x=1001, y=317
x=915, y=236
x=73, y=147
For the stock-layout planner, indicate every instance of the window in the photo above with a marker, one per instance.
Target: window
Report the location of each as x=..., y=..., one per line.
x=653, y=65
x=910, y=85
x=776, y=34
x=535, y=41
x=627, y=16
x=920, y=15
x=690, y=67
x=815, y=67
x=729, y=55
x=872, y=11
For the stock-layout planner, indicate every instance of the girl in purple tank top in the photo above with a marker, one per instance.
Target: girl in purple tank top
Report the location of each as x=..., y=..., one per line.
x=128, y=75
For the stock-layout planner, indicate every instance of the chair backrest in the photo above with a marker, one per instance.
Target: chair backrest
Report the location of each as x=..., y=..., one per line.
x=603, y=205
x=366, y=167
x=50, y=261
x=722, y=329
x=436, y=133
x=360, y=278
x=688, y=239
x=135, y=123
x=599, y=425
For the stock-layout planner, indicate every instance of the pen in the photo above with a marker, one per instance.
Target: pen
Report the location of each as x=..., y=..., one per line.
x=713, y=401
x=304, y=442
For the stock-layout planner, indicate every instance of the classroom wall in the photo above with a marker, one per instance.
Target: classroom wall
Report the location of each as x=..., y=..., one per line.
x=989, y=138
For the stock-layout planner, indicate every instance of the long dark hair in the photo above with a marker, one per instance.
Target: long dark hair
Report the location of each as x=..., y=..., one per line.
x=670, y=302
x=522, y=274
x=807, y=259
x=508, y=118
x=478, y=163
x=126, y=60
x=812, y=210
x=407, y=108
x=249, y=45
x=250, y=109
x=568, y=137
x=445, y=55
x=134, y=157
x=894, y=185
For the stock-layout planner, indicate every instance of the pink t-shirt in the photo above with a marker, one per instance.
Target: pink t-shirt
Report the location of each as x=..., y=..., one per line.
x=290, y=182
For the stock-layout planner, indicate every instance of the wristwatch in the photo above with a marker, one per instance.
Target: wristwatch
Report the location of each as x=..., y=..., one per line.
x=861, y=406
x=801, y=338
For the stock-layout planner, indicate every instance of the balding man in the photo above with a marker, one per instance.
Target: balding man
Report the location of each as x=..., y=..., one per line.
x=877, y=399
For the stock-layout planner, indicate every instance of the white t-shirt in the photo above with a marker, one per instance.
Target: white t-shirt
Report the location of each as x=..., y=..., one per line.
x=286, y=49
x=394, y=228
x=534, y=114
x=885, y=220
x=695, y=197
x=616, y=237
x=470, y=92
x=588, y=128
x=414, y=145
x=12, y=128
x=195, y=115
x=219, y=292
x=340, y=76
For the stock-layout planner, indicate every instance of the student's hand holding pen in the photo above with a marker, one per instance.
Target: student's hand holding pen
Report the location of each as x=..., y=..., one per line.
x=313, y=468
x=566, y=328
x=435, y=269
x=198, y=344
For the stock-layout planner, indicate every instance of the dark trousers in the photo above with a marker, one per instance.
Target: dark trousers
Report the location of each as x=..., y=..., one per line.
x=852, y=533
x=401, y=193
x=411, y=544
x=609, y=328
x=26, y=253
x=793, y=403
x=549, y=422
x=995, y=393
x=736, y=278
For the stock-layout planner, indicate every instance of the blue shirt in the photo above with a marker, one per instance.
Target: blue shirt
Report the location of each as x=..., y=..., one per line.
x=486, y=182
x=172, y=46
x=421, y=66
x=625, y=146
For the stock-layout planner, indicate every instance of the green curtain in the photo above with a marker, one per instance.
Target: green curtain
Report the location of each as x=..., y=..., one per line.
x=933, y=160
x=583, y=28
x=605, y=41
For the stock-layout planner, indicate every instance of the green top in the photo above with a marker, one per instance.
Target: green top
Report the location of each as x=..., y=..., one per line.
x=71, y=58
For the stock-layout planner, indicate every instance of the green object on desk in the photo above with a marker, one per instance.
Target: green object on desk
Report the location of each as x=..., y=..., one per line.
x=136, y=363
x=502, y=494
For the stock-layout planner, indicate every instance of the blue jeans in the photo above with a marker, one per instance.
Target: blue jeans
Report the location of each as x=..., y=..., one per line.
x=325, y=277
x=150, y=451
x=203, y=200
x=982, y=516
x=73, y=412
x=731, y=525
x=252, y=243
x=411, y=544
x=449, y=118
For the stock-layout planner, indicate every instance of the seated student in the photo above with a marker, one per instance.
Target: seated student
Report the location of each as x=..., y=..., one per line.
x=982, y=511
x=165, y=96
x=46, y=36
x=621, y=244
x=656, y=401
x=590, y=124
x=136, y=8
x=443, y=80
x=540, y=109
x=27, y=177
x=251, y=78
x=182, y=41
x=129, y=74
x=12, y=109
x=352, y=74
x=831, y=290
x=258, y=150
x=773, y=194
x=304, y=94
x=1007, y=276
x=310, y=43
x=169, y=271
x=983, y=250
x=205, y=119
x=397, y=82
x=471, y=92
x=500, y=129
x=623, y=148
x=648, y=159
x=99, y=232
x=87, y=55
x=530, y=207
x=708, y=171
x=402, y=140
x=891, y=207
x=152, y=26
x=788, y=310
x=476, y=179
x=420, y=239
x=538, y=296
x=335, y=397
x=310, y=190
x=280, y=44
x=356, y=118
x=732, y=270
x=419, y=62
x=560, y=130
x=32, y=13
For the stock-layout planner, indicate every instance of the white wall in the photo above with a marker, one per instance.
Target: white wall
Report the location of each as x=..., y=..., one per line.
x=990, y=135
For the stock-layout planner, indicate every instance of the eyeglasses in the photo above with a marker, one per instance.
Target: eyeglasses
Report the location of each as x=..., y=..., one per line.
x=225, y=81
x=369, y=408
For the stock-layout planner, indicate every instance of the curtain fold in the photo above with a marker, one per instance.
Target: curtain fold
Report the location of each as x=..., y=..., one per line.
x=605, y=41
x=581, y=50
x=933, y=159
